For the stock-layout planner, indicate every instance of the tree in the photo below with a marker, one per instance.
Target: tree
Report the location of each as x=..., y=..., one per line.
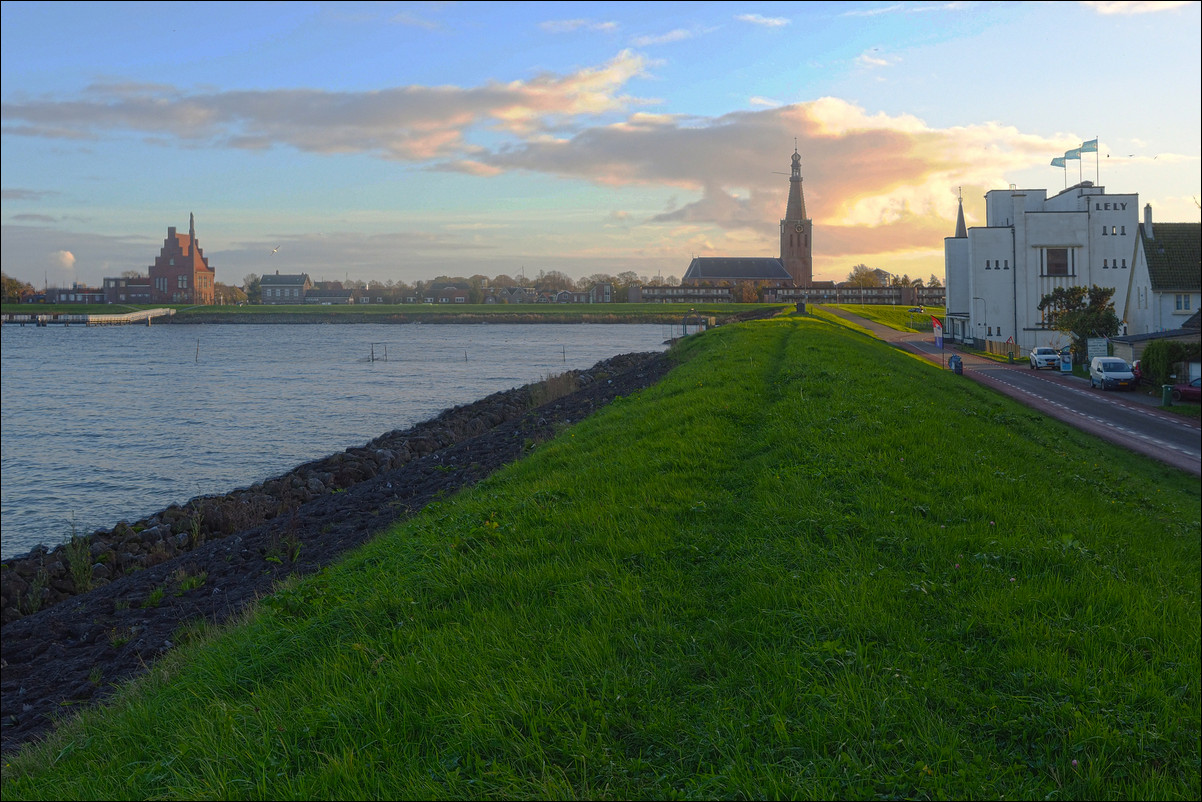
x=863, y=276
x=225, y=294
x=250, y=285
x=13, y=288
x=934, y=281
x=1081, y=312
x=554, y=280
x=130, y=274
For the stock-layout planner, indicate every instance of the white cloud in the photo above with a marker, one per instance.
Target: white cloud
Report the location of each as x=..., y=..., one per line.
x=63, y=259
x=757, y=19
x=1133, y=6
x=572, y=25
x=869, y=60
x=678, y=35
x=407, y=123
x=764, y=101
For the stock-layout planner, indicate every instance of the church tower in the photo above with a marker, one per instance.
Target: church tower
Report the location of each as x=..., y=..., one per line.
x=796, y=243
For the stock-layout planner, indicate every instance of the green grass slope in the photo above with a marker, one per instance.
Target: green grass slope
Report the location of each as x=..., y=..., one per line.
x=805, y=565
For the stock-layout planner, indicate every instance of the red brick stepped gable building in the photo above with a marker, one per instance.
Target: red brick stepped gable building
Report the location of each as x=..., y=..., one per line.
x=180, y=275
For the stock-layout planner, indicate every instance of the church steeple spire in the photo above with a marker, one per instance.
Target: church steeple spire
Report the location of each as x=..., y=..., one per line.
x=796, y=209
x=796, y=247
x=961, y=231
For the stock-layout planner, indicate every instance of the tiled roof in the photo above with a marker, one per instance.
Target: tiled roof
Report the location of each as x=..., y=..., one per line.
x=737, y=268
x=1174, y=256
x=276, y=279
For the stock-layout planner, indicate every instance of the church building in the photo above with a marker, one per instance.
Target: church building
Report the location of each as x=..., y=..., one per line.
x=794, y=267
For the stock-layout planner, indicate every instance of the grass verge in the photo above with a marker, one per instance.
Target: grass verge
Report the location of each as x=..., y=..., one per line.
x=804, y=565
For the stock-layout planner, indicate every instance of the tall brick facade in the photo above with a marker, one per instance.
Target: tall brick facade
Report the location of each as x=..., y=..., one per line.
x=181, y=274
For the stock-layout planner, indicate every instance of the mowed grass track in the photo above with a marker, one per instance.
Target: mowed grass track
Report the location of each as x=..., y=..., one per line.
x=805, y=565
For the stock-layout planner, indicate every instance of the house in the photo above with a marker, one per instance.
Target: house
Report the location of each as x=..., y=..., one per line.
x=287, y=288
x=128, y=290
x=326, y=297
x=448, y=295
x=1166, y=276
x=998, y=273
x=658, y=294
x=77, y=294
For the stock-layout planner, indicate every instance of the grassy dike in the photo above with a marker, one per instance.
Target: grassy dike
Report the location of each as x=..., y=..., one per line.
x=804, y=565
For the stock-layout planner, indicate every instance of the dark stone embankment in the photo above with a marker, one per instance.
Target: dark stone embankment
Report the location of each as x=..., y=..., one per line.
x=211, y=557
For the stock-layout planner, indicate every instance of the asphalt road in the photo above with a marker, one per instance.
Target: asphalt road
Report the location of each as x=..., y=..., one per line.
x=1129, y=419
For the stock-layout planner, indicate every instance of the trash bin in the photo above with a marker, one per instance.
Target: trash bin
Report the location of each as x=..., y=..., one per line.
x=1010, y=357
x=956, y=364
x=1166, y=395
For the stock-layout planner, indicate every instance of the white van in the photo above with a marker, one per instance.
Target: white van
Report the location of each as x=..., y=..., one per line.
x=1109, y=372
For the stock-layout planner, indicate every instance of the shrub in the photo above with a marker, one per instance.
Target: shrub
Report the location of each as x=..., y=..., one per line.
x=1158, y=361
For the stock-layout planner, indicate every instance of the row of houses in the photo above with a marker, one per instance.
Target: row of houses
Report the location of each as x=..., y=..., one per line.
x=822, y=292
x=298, y=288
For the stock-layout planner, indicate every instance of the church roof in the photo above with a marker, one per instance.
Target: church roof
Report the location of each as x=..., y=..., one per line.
x=736, y=268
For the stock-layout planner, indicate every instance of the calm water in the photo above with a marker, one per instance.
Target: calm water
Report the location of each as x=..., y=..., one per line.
x=108, y=424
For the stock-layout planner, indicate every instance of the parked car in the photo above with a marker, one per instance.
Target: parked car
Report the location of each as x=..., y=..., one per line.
x=1110, y=372
x=1191, y=391
x=1043, y=357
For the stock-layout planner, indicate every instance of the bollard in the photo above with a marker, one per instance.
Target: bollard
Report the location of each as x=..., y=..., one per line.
x=1166, y=395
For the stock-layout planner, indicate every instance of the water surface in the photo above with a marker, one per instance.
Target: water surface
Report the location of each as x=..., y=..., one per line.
x=107, y=424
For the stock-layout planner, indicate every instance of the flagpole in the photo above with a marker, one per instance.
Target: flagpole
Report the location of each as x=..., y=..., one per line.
x=1097, y=167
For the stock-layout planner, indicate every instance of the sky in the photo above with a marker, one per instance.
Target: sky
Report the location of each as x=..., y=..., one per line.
x=403, y=141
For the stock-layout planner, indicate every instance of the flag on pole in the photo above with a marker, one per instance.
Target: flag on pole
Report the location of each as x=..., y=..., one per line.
x=938, y=327
x=1089, y=147
x=1075, y=153
x=1058, y=161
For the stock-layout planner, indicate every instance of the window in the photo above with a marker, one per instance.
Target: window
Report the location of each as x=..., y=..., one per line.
x=1057, y=262
x=1105, y=264
x=1103, y=231
x=1114, y=229
x=1124, y=264
x=1007, y=265
x=986, y=264
x=183, y=282
x=1123, y=230
x=1183, y=302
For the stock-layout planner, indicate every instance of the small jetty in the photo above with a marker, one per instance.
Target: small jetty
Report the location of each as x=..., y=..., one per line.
x=66, y=319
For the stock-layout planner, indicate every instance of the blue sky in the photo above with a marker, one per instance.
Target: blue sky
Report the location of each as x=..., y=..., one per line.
x=402, y=141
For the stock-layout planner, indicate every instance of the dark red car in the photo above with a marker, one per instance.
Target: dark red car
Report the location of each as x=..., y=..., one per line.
x=1192, y=391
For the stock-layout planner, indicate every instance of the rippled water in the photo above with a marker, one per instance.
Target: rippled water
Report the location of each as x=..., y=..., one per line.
x=101, y=425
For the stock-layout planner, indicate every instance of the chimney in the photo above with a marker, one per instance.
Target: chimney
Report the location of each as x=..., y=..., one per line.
x=1148, y=221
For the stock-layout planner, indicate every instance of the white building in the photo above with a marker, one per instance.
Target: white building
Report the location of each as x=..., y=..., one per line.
x=1030, y=244
x=1166, y=276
